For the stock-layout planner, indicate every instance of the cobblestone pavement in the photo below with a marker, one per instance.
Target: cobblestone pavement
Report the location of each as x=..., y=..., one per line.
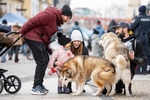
x=25, y=70
x=140, y=91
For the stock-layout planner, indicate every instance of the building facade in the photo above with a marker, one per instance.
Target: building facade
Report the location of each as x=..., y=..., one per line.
x=27, y=8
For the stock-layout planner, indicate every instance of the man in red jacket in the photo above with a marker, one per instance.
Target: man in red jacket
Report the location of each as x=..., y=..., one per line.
x=37, y=32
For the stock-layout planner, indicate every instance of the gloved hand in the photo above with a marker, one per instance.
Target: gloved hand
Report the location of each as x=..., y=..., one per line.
x=52, y=70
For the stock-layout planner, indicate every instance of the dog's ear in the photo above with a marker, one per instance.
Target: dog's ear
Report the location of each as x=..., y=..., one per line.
x=69, y=71
x=79, y=62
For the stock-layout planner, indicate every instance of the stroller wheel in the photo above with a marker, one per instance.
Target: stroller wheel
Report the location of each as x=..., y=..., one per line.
x=12, y=84
x=29, y=54
x=1, y=86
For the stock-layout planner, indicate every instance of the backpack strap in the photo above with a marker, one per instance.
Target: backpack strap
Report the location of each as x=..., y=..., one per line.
x=134, y=45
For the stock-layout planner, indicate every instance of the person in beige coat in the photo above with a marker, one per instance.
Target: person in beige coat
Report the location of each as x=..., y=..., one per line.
x=15, y=49
x=58, y=57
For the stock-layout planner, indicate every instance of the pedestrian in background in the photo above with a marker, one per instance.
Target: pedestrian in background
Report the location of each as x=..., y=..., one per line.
x=4, y=28
x=111, y=25
x=140, y=26
x=37, y=32
x=17, y=45
x=23, y=48
x=76, y=27
x=98, y=31
x=58, y=57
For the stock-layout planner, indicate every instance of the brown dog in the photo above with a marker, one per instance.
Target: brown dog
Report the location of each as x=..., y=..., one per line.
x=79, y=69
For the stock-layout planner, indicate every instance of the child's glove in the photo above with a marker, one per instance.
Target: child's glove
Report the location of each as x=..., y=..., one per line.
x=53, y=70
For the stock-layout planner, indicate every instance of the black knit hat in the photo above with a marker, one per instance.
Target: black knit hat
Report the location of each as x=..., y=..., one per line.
x=63, y=39
x=66, y=10
x=4, y=21
x=142, y=9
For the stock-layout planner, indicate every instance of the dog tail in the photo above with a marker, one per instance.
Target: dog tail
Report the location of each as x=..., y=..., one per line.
x=121, y=62
x=104, y=75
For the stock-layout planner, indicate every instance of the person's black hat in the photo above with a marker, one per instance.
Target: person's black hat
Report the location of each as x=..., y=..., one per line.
x=63, y=39
x=111, y=25
x=122, y=24
x=66, y=10
x=142, y=9
x=4, y=21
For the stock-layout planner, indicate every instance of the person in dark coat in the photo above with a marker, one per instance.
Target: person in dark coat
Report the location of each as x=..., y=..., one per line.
x=98, y=31
x=37, y=32
x=140, y=26
x=137, y=57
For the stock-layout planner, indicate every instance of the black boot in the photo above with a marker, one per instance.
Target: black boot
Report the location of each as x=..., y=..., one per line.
x=69, y=86
x=60, y=90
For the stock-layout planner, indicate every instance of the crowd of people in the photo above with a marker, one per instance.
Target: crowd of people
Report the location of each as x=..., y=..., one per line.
x=37, y=33
x=9, y=40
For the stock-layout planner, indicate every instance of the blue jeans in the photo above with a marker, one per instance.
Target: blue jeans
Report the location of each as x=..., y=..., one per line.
x=3, y=57
x=23, y=48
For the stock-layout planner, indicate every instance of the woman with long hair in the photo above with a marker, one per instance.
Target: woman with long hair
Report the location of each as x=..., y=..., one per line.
x=77, y=46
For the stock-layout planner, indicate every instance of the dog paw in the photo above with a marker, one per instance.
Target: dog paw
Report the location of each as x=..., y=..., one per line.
x=111, y=94
x=128, y=95
x=75, y=94
x=94, y=94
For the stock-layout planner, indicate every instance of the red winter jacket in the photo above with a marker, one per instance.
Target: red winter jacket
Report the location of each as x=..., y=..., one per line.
x=42, y=26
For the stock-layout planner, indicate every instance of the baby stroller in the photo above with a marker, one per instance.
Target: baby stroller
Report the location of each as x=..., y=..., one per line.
x=12, y=84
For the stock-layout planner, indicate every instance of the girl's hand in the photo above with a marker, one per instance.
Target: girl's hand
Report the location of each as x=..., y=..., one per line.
x=50, y=73
x=58, y=63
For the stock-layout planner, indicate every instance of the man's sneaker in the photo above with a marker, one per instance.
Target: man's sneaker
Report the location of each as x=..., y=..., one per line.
x=44, y=88
x=38, y=90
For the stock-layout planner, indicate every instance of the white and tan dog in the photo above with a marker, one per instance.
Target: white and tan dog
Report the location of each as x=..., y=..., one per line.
x=117, y=52
x=79, y=69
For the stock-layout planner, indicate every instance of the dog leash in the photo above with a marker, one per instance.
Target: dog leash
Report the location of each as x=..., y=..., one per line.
x=90, y=85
